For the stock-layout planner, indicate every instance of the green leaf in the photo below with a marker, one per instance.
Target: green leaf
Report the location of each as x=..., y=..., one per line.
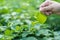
x=43, y=32
x=24, y=34
x=1, y=36
x=41, y=18
x=29, y=38
x=8, y=32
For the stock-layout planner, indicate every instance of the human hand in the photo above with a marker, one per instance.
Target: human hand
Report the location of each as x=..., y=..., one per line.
x=49, y=7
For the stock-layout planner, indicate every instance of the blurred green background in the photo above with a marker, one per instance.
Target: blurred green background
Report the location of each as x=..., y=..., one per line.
x=18, y=21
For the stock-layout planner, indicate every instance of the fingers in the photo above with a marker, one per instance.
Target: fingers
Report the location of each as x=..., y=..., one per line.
x=48, y=13
x=47, y=8
x=46, y=3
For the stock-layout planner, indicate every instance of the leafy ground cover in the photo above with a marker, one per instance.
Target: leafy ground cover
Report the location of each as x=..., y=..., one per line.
x=19, y=20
